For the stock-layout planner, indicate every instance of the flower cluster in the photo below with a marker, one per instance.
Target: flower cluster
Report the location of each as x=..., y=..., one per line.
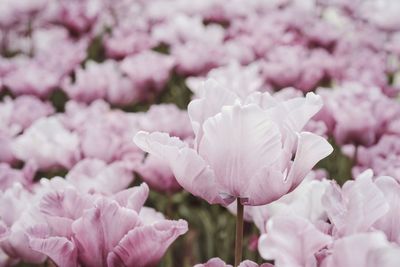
x=125, y=124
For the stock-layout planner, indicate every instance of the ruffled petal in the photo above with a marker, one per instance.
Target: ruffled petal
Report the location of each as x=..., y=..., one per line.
x=59, y=249
x=311, y=148
x=190, y=170
x=145, y=245
x=292, y=241
x=100, y=229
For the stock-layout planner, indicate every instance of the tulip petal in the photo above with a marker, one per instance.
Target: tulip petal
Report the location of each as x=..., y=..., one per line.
x=61, y=250
x=213, y=98
x=100, y=229
x=237, y=143
x=311, y=148
x=357, y=207
x=133, y=198
x=390, y=222
x=145, y=245
x=190, y=170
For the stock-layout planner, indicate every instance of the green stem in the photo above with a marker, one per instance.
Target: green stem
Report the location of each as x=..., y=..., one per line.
x=239, y=233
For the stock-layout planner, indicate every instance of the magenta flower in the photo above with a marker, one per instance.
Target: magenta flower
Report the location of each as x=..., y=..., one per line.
x=243, y=148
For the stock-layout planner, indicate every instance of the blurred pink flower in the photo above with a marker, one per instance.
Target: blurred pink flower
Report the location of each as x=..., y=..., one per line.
x=242, y=80
x=17, y=214
x=101, y=81
x=224, y=127
x=27, y=109
x=356, y=207
x=9, y=176
x=125, y=41
x=382, y=158
x=104, y=133
x=304, y=202
x=166, y=118
x=58, y=146
x=79, y=15
x=367, y=249
x=361, y=126
x=292, y=241
x=95, y=176
x=149, y=71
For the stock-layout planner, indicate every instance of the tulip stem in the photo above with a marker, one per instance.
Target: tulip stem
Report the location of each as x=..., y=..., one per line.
x=239, y=233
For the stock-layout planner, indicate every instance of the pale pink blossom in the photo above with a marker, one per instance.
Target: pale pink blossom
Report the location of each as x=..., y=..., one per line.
x=296, y=66
x=166, y=118
x=58, y=146
x=215, y=119
x=243, y=80
x=27, y=109
x=361, y=126
x=149, y=71
x=9, y=176
x=366, y=249
x=356, y=207
x=94, y=175
x=79, y=16
x=104, y=133
x=382, y=13
x=125, y=41
x=101, y=81
x=292, y=241
x=382, y=158
x=18, y=213
x=182, y=28
x=304, y=202
x=194, y=58
x=89, y=236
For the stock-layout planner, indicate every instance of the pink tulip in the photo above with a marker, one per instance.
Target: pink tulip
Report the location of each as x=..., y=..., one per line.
x=367, y=249
x=85, y=233
x=101, y=81
x=292, y=241
x=149, y=71
x=382, y=158
x=389, y=222
x=9, y=176
x=356, y=207
x=304, y=202
x=27, y=109
x=93, y=175
x=153, y=169
x=125, y=41
x=18, y=212
x=241, y=80
x=58, y=146
x=242, y=150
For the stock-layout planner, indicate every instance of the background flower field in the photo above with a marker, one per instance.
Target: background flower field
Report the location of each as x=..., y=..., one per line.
x=79, y=79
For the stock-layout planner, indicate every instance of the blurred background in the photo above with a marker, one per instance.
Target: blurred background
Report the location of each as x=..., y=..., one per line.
x=105, y=69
